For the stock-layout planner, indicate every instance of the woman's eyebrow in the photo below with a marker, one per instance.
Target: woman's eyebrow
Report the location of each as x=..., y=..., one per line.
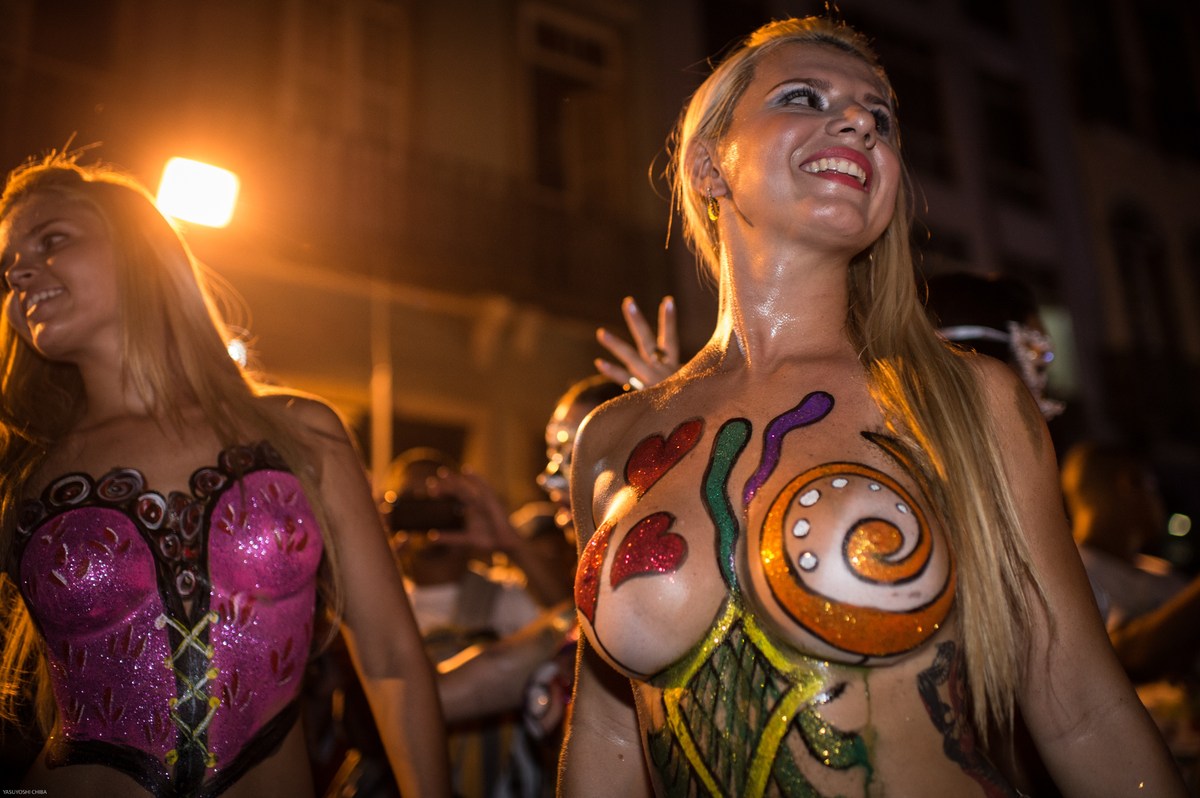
x=816, y=83
x=40, y=226
x=34, y=231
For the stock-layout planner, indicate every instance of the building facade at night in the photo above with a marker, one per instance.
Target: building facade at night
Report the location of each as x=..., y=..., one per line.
x=441, y=200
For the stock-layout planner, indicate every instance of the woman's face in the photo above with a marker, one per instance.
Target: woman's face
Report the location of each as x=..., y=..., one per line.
x=811, y=151
x=59, y=266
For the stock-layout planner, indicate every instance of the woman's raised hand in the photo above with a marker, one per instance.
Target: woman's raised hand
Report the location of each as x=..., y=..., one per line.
x=652, y=358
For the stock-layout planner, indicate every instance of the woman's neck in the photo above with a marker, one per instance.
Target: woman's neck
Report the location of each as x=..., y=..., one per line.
x=782, y=305
x=109, y=395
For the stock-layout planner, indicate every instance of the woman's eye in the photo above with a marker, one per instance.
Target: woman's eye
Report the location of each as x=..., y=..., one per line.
x=883, y=121
x=803, y=96
x=51, y=240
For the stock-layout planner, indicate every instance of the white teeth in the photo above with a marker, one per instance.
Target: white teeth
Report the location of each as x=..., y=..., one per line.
x=840, y=165
x=41, y=296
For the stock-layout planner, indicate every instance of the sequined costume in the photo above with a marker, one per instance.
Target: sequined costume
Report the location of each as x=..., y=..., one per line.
x=176, y=627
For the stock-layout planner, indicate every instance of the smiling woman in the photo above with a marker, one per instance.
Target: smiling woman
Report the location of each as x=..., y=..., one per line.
x=174, y=533
x=819, y=554
x=59, y=265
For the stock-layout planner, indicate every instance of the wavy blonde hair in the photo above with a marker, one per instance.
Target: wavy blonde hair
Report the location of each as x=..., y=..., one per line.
x=175, y=357
x=927, y=392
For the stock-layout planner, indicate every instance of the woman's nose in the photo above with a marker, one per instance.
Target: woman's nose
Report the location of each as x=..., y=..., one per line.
x=854, y=120
x=19, y=271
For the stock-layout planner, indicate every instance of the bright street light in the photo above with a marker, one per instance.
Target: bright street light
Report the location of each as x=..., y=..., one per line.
x=197, y=192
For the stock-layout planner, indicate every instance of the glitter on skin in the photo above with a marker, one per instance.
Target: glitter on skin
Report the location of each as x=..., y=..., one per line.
x=587, y=575
x=805, y=685
x=655, y=456
x=811, y=409
x=702, y=716
x=863, y=630
x=648, y=548
x=730, y=441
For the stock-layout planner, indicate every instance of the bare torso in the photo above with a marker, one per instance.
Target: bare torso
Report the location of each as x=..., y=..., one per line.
x=767, y=570
x=286, y=772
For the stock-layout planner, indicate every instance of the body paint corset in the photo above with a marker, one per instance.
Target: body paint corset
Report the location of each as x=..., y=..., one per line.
x=176, y=627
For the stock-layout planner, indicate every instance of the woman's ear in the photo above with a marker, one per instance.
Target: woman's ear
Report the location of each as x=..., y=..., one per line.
x=703, y=172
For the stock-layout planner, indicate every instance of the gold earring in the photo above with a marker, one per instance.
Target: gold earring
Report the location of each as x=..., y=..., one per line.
x=714, y=209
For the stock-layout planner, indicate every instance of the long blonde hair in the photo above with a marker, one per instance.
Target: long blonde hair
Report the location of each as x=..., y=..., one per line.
x=175, y=356
x=927, y=393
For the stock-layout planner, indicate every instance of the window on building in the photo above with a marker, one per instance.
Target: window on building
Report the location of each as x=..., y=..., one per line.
x=1141, y=261
x=1150, y=378
x=345, y=69
x=912, y=68
x=1101, y=88
x=1011, y=164
x=995, y=16
x=1174, y=102
x=80, y=34
x=577, y=139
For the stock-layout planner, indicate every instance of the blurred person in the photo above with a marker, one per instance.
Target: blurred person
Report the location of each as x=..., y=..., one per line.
x=174, y=528
x=1116, y=511
x=537, y=524
x=817, y=554
x=488, y=636
x=445, y=559
x=997, y=316
x=569, y=412
x=1151, y=612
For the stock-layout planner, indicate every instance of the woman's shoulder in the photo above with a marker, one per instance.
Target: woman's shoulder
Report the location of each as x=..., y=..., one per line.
x=1009, y=405
x=305, y=410
x=603, y=424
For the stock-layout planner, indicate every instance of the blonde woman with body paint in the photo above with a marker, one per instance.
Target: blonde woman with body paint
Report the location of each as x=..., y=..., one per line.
x=829, y=552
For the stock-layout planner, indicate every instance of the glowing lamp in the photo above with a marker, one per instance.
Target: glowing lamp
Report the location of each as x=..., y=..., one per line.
x=197, y=192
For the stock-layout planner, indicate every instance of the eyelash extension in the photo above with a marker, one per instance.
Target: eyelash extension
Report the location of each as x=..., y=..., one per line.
x=815, y=99
x=883, y=121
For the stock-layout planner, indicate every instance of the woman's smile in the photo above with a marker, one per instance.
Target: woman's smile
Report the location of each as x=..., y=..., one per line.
x=841, y=165
x=38, y=299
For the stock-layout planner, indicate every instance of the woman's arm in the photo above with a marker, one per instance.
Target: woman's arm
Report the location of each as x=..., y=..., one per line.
x=491, y=678
x=377, y=623
x=1087, y=722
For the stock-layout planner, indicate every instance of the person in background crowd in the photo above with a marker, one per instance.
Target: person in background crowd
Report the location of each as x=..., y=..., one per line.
x=996, y=315
x=1151, y=612
x=486, y=632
